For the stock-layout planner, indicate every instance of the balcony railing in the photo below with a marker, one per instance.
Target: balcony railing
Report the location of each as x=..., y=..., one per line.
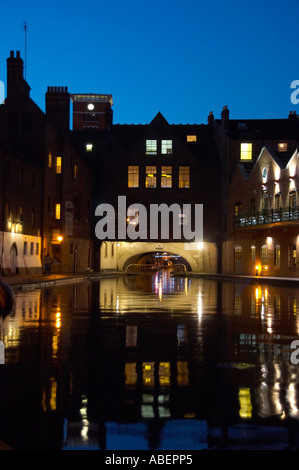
x=269, y=216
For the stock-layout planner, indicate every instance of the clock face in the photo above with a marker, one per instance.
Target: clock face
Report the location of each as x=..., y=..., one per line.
x=90, y=106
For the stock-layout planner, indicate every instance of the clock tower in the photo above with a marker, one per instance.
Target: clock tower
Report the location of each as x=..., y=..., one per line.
x=92, y=111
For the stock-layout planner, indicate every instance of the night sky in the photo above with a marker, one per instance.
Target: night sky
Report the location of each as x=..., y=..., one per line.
x=183, y=58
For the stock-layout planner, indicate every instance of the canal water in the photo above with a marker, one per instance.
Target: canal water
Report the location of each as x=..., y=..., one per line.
x=151, y=362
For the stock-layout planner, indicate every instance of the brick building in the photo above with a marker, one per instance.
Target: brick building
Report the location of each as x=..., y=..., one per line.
x=156, y=163
x=243, y=172
x=46, y=183
x=262, y=197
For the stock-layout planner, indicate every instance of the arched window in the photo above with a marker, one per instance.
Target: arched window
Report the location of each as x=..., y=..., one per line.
x=264, y=256
x=238, y=259
x=292, y=201
x=277, y=256
x=277, y=202
x=252, y=255
x=292, y=255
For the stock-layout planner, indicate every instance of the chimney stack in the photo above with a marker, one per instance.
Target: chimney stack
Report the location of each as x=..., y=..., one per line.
x=15, y=79
x=211, y=118
x=58, y=107
x=225, y=118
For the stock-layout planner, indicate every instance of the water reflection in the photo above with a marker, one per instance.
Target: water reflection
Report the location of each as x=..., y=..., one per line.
x=150, y=362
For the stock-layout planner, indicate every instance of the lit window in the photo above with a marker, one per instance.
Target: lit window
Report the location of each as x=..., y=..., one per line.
x=76, y=171
x=264, y=255
x=58, y=165
x=89, y=147
x=282, y=147
x=252, y=255
x=191, y=138
x=151, y=147
x=277, y=256
x=50, y=160
x=133, y=176
x=166, y=177
x=184, y=177
x=166, y=147
x=57, y=211
x=246, y=151
x=151, y=177
x=292, y=254
x=238, y=259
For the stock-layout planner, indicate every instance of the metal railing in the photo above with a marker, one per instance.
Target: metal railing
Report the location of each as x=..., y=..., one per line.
x=269, y=216
x=139, y=268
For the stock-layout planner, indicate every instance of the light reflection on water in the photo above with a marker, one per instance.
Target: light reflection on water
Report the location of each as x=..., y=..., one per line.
x=151, y=362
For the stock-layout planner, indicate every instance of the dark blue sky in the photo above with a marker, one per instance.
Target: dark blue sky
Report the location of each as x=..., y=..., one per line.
x=183, y=58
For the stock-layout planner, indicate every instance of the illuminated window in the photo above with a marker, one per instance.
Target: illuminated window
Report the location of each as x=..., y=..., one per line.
x=133, y=176
x=264, y=255
x=252, y=255
x=151, y=177
x=238, y=259
x=277, y=256
x=282, y=147
x=58, y=165
x=89, y=147
x=184, y=177
x=151, y=147
x=50, y=160
x=57, y=211
x=191, y=138
x=166, y=177
x=76, y=171
x=166, y=147
x=292, y=255
x=246, y=151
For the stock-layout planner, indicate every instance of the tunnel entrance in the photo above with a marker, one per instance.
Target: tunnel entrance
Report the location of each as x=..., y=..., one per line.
x=159, y=260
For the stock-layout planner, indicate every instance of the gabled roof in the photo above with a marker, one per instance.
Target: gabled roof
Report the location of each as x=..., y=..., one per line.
x=204, y=150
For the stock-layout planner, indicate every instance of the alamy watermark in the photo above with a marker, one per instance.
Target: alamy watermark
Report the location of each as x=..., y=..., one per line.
x=294, y=357
x=160, y=221
x=294, y=96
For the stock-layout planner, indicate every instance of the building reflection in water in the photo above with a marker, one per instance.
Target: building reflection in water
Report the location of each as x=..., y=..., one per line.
x=150, y=362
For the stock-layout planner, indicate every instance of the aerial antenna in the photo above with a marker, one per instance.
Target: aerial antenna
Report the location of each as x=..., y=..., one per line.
x=25, y=30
